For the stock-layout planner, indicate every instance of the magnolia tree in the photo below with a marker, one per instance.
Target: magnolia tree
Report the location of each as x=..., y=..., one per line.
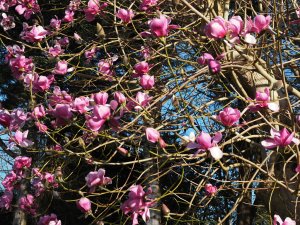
x=150, y=112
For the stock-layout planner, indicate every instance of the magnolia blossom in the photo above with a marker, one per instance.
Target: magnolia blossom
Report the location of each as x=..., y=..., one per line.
x=38, y=112
x=213, y=64
x=6, y=199
x=49, y=220
x=229, y=116
x=7, y=22
x=9, y=181
x=119, y=97
x=69, y=16
x=27, y=8
x=146, y=4
x=33, y=33
x=20, y=138
x=21, y=162
x=100, y=114
x=160, y=27
x=235, y=26
x=84, y=205
x=280, y=138
x=262, y=100
x=136, y=204
x=153, y=136
x=140, y=69
x=210, y=189
x=81, y=104
x=27, y=204
x=97, y=178
x=125, y=15
x=217, y=28
x=100, y=98
x=61, y=68
x=147, y=82
x=93, y=9
x=287, y=221
x=5, y=118
x=205, y=58
x=204, y=142
x=55, y=23
x=142, y=100
x=260, y=23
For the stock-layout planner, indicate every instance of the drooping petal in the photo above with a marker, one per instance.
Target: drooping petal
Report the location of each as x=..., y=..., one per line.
x=217, y=138
x=273, y=106
x=269, y=143
x=216, y=152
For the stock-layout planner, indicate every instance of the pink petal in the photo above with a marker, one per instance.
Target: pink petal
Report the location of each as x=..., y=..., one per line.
x=216, y=152
x=273, y=106
x=269, y=143
x=217, y=138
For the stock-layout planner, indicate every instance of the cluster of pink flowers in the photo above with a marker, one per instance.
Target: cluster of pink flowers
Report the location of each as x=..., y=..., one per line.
x=137, y=204
x=41, y=181
x=93, y=9
x=234, y=28
x=141, y=70
x=23, y=7
x=12, y=181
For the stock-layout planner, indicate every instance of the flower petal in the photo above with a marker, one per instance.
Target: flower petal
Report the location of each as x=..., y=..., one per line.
x=216, y=152
x=269, y=143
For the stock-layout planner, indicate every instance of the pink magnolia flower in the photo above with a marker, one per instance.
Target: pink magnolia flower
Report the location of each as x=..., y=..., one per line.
x=146, y=4
x=89, y=54
x=81, y=104
x=9, y=181
x=125, y=15
x=63, y=41
x=27, y=8
x=62, y=111
x=55, y=23
x=101, y=113
x=7, y=22
x=42, y=83
x=100, y=98
x=287, y=221
x=119, y=97
x=20, y=66
x=204, y=142
x=61, y=68
x=14, y=51
x=19, y=118
x=217, y=28
x=214, y=66
x=229, y=116
x=262, y=100
x=93, y=9
x=160, y=27
x=21, y=162
x=69, y=16
x=235, y=26
x=5, y=118
x=142, y=100
x=84, y=205
x=260, y=23
x=6, y=199
x=136, y=204
x=105, y=67
x=280, y=138
x=27, y=204
x=33, y=33
x=145, y=52
x=42, y=127
x=210, y=189
x=38, y=112
x=20, y=139
x=205, y=58
x=49, y=220
x=97, y=178
x=153, y=136
x=74, y=5
x=250, y=39
x=141, y=68
x=147, y=82
x=56, y=50
x=60, y=97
